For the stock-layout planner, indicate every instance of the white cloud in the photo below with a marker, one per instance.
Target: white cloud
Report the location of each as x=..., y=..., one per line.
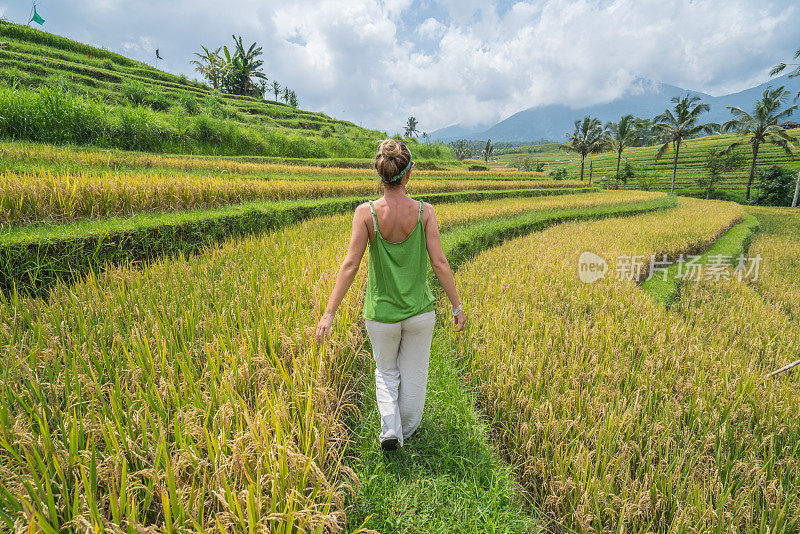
x=455, y=61
x=431, y=28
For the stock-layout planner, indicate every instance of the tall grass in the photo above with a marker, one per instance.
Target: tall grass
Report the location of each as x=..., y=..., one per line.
x=57, y=115
x=622, y=415
x=778, y=243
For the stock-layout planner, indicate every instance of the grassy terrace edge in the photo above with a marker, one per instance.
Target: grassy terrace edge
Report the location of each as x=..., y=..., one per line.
x=453, y=456
x=33, y=259
x=464, y=243
x=665, y=289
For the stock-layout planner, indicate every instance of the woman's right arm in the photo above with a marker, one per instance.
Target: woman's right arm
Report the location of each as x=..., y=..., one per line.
x=441, y=267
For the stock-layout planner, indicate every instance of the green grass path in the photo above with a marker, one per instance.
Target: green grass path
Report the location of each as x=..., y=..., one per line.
x=447, y=477
x=733, y=242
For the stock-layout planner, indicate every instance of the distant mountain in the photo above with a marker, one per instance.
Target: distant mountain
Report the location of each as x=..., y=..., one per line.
x=457, y=131
x=644, y=99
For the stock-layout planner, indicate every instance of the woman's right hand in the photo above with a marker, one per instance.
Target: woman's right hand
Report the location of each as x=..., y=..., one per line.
x=460, y=321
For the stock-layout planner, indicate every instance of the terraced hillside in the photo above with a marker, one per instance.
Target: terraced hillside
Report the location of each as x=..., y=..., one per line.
x=59, y=91
x=657, y=175
x=31, y=57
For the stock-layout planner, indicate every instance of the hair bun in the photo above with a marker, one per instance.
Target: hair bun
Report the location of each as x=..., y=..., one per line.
x=390, y=148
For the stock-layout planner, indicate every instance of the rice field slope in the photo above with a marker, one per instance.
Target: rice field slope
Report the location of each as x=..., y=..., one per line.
x=657, y=175
x=45, y=197
x=34, y=257
x=31, y=57
x=24, y=156
x=188, y=394
x=622, y=415
x=778, y=243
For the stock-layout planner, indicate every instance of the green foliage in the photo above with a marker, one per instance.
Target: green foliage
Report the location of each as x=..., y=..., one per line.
x=478, y=168
x=436, y=151
x=680, y=123
x=33, y=35
x=460, y=149
x=138, y=93
x=558, y=174
x=717, y=163
x=627, y=174
x=777, y=186
x=60, y=116
x=241, y=68
x=762, y=125
x=14, y=77
x=487, y=151
x=214, y=104
x=411, y=127
x=189, y=102
x=586, y=139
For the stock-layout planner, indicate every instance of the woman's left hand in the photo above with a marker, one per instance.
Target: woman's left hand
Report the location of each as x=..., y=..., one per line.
x=324, y=328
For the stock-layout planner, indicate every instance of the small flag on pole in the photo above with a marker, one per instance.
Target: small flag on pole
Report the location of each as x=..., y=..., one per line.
x=36, y=17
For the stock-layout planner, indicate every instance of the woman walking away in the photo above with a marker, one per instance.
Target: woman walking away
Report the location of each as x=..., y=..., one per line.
x=398, y=307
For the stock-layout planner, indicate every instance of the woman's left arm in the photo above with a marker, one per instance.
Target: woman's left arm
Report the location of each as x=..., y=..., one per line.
x=347, y=272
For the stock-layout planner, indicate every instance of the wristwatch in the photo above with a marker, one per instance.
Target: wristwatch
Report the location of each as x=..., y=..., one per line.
x=456, y=311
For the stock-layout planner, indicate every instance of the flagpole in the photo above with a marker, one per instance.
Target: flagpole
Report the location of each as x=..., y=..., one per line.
x=30, y=14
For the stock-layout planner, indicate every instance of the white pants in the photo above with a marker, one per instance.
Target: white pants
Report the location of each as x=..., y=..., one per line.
x=402, y=352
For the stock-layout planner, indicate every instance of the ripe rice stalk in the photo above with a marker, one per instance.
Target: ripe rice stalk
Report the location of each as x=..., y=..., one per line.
x=187, y=394
x=52, y=197
x=623, y=415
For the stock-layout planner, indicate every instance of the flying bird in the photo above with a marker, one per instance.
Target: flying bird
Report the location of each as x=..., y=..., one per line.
x=158, y=56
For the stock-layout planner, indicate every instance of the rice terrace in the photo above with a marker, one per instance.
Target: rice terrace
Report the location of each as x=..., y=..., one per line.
x=612, y=262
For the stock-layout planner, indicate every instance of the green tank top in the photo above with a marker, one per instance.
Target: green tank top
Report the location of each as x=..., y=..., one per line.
x=397, y=282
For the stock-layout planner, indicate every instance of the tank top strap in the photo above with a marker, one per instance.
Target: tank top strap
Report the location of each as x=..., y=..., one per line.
x=419, y=218
x=374, y=219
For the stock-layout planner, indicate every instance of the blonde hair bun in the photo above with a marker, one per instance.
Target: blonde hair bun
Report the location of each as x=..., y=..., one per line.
x=392, y=158
x=390, y=148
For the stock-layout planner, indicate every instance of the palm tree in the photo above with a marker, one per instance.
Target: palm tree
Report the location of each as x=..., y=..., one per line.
x=292, y=99
x=796, y=191
x=777, y=69
x=586, y=139
x=411, y=127
x=621, y=135
x=488, y=151
x=762, y=126
x=276, y=89
x=679, y=125
x=285, y=95
x=210, y=65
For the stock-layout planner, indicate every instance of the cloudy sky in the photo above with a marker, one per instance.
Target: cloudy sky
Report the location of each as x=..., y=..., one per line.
x=453, y=61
